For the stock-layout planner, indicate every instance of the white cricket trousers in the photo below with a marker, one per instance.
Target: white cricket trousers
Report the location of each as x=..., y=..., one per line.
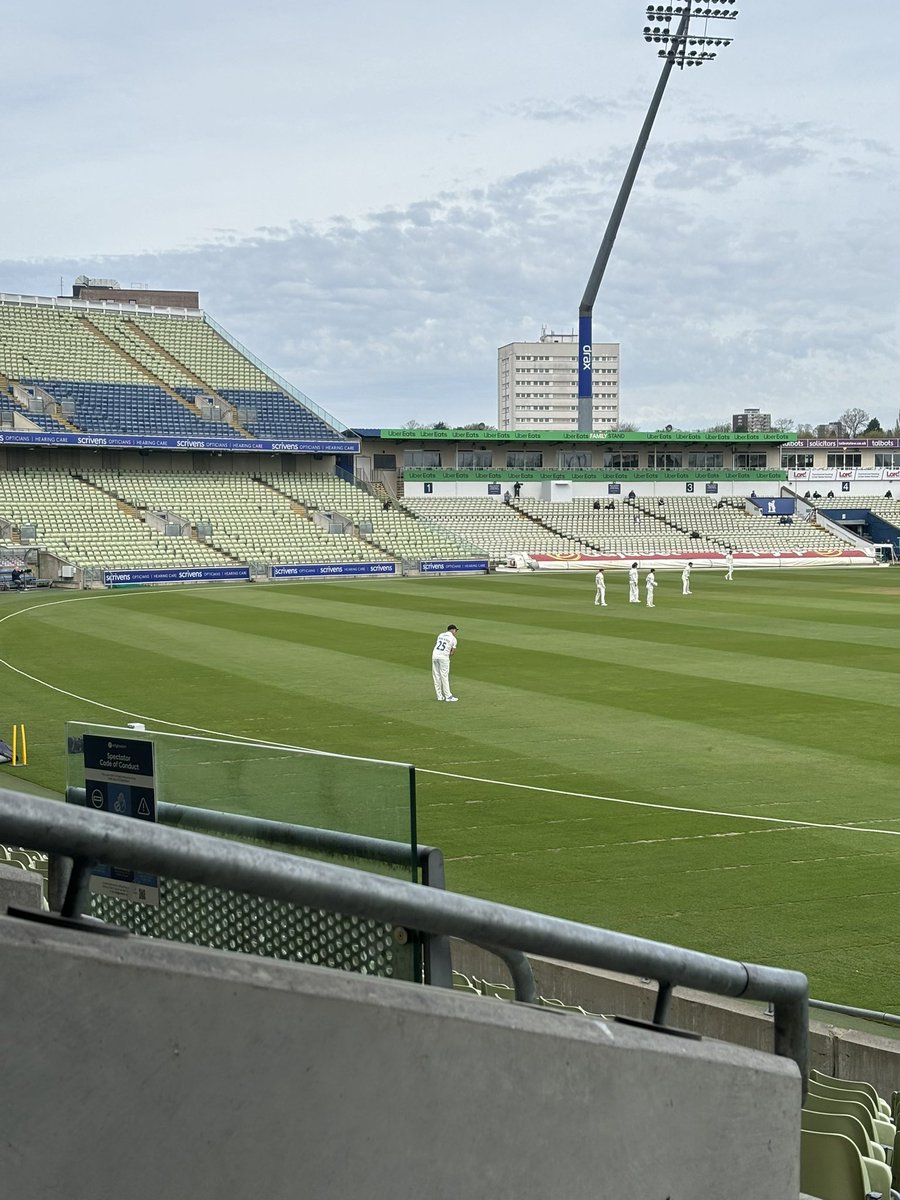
x=440, y=673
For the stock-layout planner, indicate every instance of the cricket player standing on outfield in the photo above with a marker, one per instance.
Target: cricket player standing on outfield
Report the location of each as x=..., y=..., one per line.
x=633, y=597
x=444, y=648
x=600, y=594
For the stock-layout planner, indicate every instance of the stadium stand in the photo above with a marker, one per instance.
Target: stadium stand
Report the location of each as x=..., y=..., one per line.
x=389, y=529
x=250, y=521
x=647, y=527
x=134, y=372
x=496, y=530
x=81, y=525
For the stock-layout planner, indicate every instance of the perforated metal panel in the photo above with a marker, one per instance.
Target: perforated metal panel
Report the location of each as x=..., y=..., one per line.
x=207, y=916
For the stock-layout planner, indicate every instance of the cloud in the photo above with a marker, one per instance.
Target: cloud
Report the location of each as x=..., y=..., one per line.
x=731, y=284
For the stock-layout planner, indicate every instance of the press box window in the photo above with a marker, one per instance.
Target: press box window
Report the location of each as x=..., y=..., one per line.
x=575, y=460
x=475, y=460
x=527, y=460
x=421, y=458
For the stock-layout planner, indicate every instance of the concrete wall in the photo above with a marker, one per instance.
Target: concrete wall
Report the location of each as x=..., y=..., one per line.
x=20, y=888
x=846, y=1053
x=152, y=1069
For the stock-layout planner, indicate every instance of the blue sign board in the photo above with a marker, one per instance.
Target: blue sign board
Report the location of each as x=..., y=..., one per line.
x=175, y=575
x=323, y=570
x=585, y=355
x=774, y=506
x=436, y=566
x=136, y=441
x=119, y=778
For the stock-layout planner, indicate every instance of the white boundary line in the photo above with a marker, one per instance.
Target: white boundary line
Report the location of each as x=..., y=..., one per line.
x=528, y=787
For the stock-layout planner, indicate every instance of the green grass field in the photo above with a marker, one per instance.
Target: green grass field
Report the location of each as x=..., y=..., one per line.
x=720, y=772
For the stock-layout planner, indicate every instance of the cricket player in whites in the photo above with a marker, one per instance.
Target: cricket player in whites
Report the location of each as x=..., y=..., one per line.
x=600, y=596
x=444, y=649
x=686, y=580
x=729, y=563
x=650, y=585
x=633, y=597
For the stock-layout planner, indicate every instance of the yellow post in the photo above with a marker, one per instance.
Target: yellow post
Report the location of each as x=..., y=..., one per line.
x=16, y=731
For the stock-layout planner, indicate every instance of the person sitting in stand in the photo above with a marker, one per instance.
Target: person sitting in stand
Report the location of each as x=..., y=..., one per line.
x=632, y=496
x=611, y=505
x=816, y=496
x=830, y=496
x=596, y=506
x=889, y=495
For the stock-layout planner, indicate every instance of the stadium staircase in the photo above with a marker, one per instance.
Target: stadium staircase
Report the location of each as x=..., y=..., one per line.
x=150, y=376
x=658, y=515
x=198, y=383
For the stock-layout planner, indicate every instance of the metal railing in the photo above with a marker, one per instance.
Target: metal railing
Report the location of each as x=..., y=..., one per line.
x=89, y=837
x=429, y=859
x=285, y=386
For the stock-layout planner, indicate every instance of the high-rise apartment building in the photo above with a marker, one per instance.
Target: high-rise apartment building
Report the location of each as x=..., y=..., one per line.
x=751, y=420
x=537, y=384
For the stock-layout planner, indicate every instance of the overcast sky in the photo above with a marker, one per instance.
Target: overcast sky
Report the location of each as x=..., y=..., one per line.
x=375, y=197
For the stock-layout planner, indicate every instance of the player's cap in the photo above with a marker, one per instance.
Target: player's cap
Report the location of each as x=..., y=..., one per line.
x=451, y=629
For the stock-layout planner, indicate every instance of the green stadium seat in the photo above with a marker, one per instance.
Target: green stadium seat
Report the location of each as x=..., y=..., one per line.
x=831, y=1167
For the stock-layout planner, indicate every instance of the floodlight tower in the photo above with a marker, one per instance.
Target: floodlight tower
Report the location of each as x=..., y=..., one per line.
x=688, y=46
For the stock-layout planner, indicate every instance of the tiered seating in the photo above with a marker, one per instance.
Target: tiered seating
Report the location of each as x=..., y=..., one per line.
x=235, y=378
x=100, y=361
x=51, y=343
x=623, y=529
x=848, y=1140
x=207, y=355
x=250, y=521
x=82, y=526
x=275, y=415
x=133, y=408
x=732, y=525
x=496, y=530
x=391, y=530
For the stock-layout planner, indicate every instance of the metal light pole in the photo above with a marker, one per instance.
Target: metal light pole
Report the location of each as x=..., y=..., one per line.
x=683, y=48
